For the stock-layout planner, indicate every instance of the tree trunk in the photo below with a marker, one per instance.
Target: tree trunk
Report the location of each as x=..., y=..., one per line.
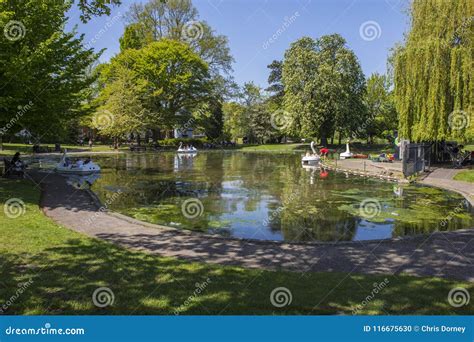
x=324, y=139
x=147, y=136
x=115, y=143
x=340, y=138
x=155, y=135
x=138, y=139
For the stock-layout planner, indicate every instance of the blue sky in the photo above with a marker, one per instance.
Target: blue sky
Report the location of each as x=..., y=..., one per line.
x=370, y=27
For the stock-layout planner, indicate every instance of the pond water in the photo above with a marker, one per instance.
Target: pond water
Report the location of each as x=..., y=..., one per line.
x=271, y=197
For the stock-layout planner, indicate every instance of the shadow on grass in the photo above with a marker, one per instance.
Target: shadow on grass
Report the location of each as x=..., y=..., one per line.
x=64, y=279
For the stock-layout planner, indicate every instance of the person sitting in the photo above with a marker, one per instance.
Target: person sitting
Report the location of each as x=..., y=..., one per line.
x=17, y=163
x=15, y=166
x=79, y=163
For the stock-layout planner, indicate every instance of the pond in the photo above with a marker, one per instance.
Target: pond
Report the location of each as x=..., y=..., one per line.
x=270, y=196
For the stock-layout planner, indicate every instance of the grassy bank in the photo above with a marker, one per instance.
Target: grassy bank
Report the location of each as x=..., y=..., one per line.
x=465, y=176
x=65, y=268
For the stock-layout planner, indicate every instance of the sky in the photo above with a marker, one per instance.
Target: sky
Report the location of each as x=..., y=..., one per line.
x=260, y=31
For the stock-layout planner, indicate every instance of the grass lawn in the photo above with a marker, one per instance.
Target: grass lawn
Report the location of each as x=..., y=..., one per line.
x=274, y=147
x=301, y=147
x=469, y=147
x=465, y=176
x=66, y=267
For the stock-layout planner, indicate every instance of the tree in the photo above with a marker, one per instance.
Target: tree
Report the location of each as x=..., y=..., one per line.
x=43, y=64
x=381, y=113
x=122, y=110
x=91, y=8
x=275, y=81
x=235, y=122
x=135, y=37
x=178, y=20
x=210, y=119
x=434, y=91
x=252, y=118
x=324, y=88
x=171, y=79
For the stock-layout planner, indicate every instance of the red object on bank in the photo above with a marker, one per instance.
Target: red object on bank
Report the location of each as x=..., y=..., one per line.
x=324, y=151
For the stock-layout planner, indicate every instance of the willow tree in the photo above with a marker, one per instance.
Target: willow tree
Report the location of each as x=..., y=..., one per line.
x=433, y=73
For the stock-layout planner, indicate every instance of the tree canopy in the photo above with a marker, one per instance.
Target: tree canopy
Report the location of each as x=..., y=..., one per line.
x=165, y=78
x=43, y=64
x=324, y=88
x=433, y=72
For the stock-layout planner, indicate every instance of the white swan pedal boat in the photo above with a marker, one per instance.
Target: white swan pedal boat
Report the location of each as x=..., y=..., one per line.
x=189, y=150
x=311, y=158
x=79, y=167
x=347, y=154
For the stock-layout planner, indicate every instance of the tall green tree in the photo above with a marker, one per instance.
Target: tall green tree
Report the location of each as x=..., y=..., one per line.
x=433, y=72
x=381, y=114
x=324, y=88
x=173, y=81
x=236, y=124
x=122, y=110
x=275, y=81
x=179, y=20
x=135, y=36
x=42, y=63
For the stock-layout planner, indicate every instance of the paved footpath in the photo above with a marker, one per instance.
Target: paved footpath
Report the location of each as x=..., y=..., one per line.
x=449, y=255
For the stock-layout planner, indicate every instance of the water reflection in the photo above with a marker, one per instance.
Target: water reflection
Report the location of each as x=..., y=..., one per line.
x=82, y=182
x=268, y=196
